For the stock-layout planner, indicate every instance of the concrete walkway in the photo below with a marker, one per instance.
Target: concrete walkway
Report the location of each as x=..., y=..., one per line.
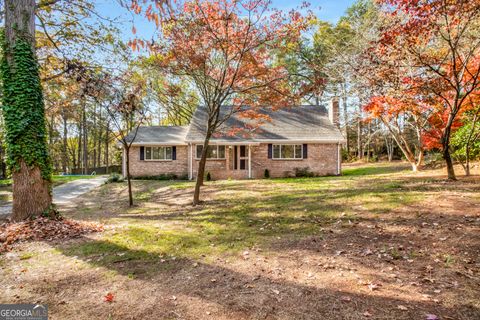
x=64, y=193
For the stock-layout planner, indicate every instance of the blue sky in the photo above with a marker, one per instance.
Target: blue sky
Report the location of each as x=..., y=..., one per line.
x=329, y=10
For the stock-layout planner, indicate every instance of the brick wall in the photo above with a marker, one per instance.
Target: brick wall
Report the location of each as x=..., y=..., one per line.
x=321, y=160
x=152, y=168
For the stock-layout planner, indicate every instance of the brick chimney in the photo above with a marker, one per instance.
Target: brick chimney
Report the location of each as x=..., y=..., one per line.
x=334, y=112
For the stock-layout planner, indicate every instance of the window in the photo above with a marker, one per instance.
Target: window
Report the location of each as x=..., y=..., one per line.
x=158, y=153
x=287, y=151
x=213, y=152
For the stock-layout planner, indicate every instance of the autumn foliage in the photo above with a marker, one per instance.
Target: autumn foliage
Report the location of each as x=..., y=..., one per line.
x=226, y=50
x=433, y=47
x=43, y=229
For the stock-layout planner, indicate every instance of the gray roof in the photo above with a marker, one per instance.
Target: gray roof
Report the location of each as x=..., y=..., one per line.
x=160, y=135
x=298, y=123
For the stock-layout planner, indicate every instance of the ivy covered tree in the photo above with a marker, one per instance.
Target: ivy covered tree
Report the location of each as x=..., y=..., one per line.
x=24, y=113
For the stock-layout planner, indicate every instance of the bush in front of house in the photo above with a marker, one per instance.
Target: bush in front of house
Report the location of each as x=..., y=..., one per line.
x=266, y=174
x=208, y=177
x=163, y=176
x=303, y=173
x=183, y=177
x=114, y=178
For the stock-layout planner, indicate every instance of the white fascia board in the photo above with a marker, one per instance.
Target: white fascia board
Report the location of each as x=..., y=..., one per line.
x=292, y=141
x=280, y=141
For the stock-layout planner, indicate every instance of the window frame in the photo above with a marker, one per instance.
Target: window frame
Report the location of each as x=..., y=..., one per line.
x=159, y=159
x=294, y=151
x=217, y=146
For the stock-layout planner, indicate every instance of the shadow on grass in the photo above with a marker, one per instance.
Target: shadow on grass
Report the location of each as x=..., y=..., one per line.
x=171, y=261
x=232, y=223
x=249, y=296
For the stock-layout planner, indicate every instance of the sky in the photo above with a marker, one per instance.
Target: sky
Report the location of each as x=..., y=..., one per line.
x=329, y=10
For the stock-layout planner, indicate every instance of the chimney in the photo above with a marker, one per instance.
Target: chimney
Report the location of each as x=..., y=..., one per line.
x=334, y=112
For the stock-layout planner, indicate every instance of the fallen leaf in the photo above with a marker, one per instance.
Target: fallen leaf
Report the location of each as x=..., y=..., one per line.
x=345, y=299
x=44, y=229
x=431, y=317
x=109, y=297
x=403, y=308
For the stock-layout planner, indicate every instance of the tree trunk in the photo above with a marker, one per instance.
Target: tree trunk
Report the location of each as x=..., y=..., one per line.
x=85, y=138
x=31, y=193
x=23, y=103
x=99, y=147
x=369, y=127
x=449, y=162
x=50, y=130
x=467, y=160
x=3, y=165
x=65, y=143
x=107, y=139
x=359, y=134
x=201, y=169
x=446, y=150
x=469, y=140
x=79, y=149
x=94, y=138
x=389, y=144
x=129, y=181
x=345, y=118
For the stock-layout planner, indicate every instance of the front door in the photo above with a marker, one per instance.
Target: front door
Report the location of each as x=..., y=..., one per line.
x=240, y=158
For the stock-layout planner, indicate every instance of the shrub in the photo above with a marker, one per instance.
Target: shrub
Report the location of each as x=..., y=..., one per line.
x=163, y=176
x=433, y=159
x=266, y=174
x=304, y=172
x=183, y=177
x=114, y=177
x=208, y=177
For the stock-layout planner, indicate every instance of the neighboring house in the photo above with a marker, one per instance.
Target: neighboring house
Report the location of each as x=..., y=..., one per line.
x=296, y=137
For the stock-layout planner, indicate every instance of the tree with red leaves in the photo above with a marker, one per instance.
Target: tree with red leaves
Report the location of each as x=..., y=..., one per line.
x=441, y=39
x=404, y=120
x=225, y=49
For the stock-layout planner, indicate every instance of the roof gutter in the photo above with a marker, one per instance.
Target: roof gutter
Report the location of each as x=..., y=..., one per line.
x=160, y=143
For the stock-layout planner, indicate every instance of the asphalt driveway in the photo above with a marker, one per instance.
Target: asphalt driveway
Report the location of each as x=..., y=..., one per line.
x=64, y=193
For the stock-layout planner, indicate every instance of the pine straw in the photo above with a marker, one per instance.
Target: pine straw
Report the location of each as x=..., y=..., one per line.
x=44, y=229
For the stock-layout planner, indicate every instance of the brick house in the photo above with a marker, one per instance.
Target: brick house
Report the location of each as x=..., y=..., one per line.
x=296, y=138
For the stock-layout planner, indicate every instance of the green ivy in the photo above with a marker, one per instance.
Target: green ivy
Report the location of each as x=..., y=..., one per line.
x=23, y=109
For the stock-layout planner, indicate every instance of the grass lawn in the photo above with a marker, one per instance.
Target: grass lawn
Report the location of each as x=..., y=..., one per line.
x=378, y=242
